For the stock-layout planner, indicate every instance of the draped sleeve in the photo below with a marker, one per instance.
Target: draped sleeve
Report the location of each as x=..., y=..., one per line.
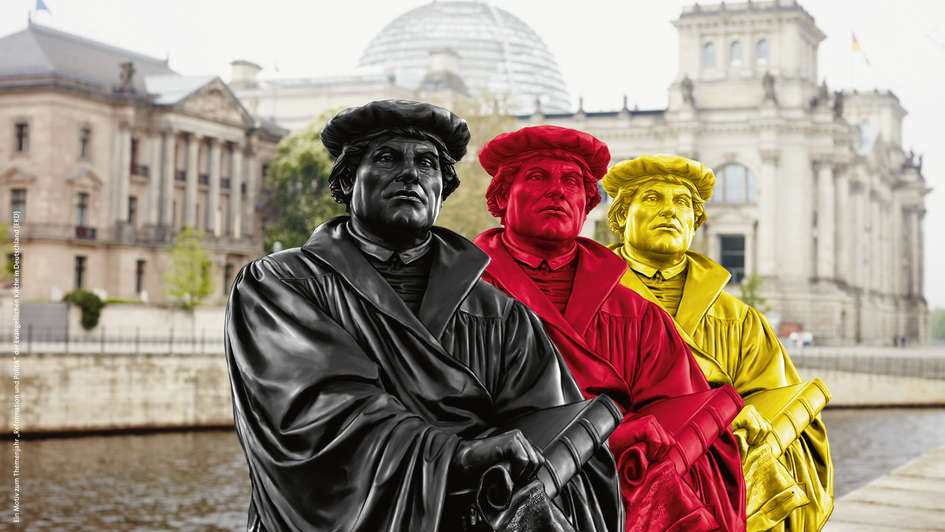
x=532, y=376
x=657, y=365
x=740, y=339
x=762, y=364
x=533, y=370
x=665, y=366
x=766, y=365
x=327, y=447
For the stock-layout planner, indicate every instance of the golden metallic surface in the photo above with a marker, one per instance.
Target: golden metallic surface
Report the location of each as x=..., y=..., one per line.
x=773, y=493
x=658, y=205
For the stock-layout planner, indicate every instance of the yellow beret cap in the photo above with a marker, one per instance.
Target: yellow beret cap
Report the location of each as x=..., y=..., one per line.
x=629, y=172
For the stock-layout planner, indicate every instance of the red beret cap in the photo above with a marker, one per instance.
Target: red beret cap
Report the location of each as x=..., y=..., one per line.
x=508, y=147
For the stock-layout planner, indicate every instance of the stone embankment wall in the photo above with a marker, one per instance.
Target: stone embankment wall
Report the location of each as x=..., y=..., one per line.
x=126, y=318
x=868, y=390
x=93, y=392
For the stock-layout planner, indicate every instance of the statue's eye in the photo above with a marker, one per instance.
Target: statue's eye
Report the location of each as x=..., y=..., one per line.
x=571, y=179
x=533, y=176
x=427, y=162
x=384, y=157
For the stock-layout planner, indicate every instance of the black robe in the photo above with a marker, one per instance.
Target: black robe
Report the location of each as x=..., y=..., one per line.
x=349, y=407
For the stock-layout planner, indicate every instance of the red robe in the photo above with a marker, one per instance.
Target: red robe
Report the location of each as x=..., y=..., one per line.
x=616, y=342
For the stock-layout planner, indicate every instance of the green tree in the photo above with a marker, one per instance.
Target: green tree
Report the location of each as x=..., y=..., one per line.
x=296, y=188
x=602, y=232
x=465, y=210
x=937, y=325
x=188, y=278
x=751, y=293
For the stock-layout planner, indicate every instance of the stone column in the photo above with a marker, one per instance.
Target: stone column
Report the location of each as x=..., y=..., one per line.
x=858, y=234
x=236, y=192
x=213, y=192
x=123, y=176
x=249, y=216
x=915, y=254
x=768, y=214
x=151, y=203
x=876, y=257
x=843, y=230
x=190, y=192
x=920, y=251
x=167, y=179
x=825, y=221
x=889, y=245
x=881, y=227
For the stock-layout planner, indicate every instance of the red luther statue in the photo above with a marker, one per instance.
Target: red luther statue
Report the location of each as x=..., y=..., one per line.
x=677, y=457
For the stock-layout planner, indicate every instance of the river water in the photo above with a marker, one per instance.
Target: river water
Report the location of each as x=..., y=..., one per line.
x=199, y=481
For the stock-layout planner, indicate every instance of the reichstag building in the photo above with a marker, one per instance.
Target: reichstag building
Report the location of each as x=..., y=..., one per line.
x=815, y=192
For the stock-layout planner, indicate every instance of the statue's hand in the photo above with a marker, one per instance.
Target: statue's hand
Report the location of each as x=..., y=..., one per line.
x=472, y=457
x=749, y=428
x=645, y=430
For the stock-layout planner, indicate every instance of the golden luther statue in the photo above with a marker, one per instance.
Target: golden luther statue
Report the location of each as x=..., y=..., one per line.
x=658, y=205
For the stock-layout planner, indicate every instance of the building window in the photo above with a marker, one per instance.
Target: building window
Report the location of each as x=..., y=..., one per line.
x=708, y=55
x=18, y=204
x=735, y=53
x=733, y=255
x=85, y=137
x=139, y=276
x=82, y=210
x=132, y=209
x=22, y=137
x=761, y=52
x=734, y=184
x=79, y=271
x=134, y=155
x=227, y=275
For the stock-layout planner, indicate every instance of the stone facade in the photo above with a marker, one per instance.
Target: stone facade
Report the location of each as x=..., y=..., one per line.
x=110, y=169
x=86, y=392
x=297, y=103
x=814, y=191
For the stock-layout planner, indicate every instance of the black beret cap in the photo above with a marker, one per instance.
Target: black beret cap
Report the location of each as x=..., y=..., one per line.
x=357, y=122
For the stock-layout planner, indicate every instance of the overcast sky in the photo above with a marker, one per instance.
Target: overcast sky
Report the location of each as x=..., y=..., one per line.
x=605, y=49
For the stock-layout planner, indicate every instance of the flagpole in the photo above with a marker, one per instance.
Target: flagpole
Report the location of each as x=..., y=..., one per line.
x=852, y=66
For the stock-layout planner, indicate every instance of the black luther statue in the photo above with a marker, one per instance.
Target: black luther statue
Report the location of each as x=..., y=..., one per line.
x=365, y=365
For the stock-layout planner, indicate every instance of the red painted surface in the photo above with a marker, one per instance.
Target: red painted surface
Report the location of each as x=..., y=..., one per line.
x=612, y=340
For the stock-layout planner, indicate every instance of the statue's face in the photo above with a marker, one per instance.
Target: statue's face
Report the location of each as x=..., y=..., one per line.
x=546, y=200
x=398, y=186
x=660, y=220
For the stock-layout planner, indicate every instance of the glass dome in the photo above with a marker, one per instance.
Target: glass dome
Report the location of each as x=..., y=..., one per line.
x=497, y=52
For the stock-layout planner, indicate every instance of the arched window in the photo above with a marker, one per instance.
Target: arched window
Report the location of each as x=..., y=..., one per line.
x=708, y=55
x=735, y=53
x=734, y=183
x=761, y=52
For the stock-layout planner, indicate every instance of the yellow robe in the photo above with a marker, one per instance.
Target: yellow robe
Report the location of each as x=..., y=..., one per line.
x=733, y=344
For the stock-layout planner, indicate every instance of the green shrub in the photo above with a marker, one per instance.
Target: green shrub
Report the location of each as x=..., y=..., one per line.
x=111, y=300
x=90, y=304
